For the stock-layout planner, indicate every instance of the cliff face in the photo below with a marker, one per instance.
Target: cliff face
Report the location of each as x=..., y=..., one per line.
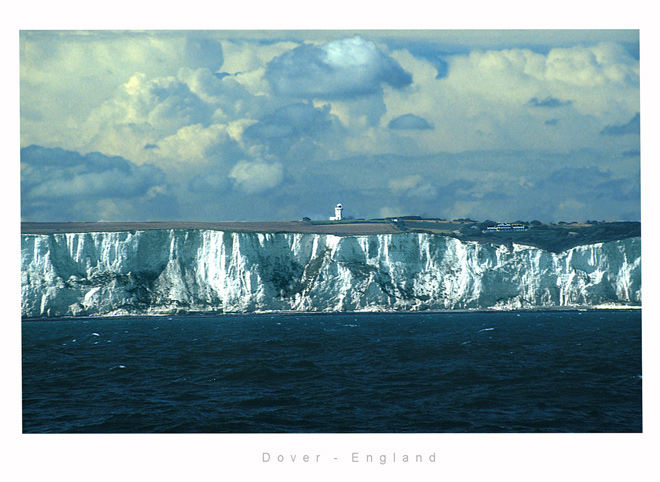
x=170, y=271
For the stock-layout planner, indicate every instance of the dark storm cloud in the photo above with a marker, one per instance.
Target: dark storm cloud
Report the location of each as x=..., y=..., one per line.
x=619, y=190
x=292, y=131
x=60, y=180
x=42, y=164
x=409, y=121
x=203, y=52
x=549, y=102
x=457, y=190
x=292, y=120
x=336, y=70
x=598, y=189
x=577, y=176
x=209, y=183
x=632, y=127
x=430, y=52
x=495, y=196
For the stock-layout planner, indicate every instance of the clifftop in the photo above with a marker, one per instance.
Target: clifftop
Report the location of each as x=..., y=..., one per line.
x=550, y=237
x=354, y=228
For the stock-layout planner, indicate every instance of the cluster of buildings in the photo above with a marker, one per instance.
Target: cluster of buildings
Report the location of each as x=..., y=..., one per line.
x=506, y=227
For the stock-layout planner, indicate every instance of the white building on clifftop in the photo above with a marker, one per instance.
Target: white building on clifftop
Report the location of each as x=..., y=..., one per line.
x=337, y=216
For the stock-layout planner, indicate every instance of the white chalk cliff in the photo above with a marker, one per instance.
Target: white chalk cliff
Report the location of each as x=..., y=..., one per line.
x=175, y=271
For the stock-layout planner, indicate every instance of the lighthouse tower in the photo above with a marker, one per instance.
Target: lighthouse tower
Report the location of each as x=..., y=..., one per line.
x=337, y=216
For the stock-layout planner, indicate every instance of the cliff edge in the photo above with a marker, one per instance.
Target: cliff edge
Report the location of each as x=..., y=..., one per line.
x=161, y=271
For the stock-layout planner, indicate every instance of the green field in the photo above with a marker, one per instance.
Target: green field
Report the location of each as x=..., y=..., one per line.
x=551, y=237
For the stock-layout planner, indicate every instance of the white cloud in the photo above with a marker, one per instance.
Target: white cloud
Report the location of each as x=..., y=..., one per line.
x=64, y=75
x=339, y=69
x=413, y=186
x=141, y=113
x=598, y=79
x=257, y=176
x=227, y=118
x=165, y=104
x=484, y=99
x=245, y=55
x=197, y=145
x=225, y=94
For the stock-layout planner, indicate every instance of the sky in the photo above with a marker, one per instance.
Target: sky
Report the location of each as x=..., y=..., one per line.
x=259, y=125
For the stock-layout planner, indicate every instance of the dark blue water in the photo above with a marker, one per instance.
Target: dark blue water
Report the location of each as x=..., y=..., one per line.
x=463, y=372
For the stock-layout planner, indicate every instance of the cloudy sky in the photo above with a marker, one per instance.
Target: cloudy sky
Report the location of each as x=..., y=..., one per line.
x=277, y=125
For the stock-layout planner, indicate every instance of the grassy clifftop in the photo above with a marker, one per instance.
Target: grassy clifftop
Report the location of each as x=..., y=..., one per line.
x=550, y=237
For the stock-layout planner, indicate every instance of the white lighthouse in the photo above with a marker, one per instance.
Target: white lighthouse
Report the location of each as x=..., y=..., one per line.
x=337, y=216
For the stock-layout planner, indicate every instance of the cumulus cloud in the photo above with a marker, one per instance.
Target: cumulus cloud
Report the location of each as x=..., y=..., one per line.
x=291, y=120
x=164, y=104
x=591, y=189
x=151, y=119
x=430, y=52
x=578, y=175
x=336, y=70
x=64, y=75
x=104, y=54
x=484, y=97
x=298, y=131
x=245, y=55
x=424, y=127
x=253, y=177
x=595, y=77
x=631, y=127
x=197, y=144
x=590, y=184
x=413, y=186
x=409, y=121
x=58, y=173
x=55, y=179
x=200, y=51
x=224, y=93
x=141, y=113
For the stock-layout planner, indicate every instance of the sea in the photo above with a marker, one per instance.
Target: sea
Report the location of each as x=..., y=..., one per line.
x=474, y=372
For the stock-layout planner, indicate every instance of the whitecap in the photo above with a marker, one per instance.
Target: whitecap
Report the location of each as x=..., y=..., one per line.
x=485, y=329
